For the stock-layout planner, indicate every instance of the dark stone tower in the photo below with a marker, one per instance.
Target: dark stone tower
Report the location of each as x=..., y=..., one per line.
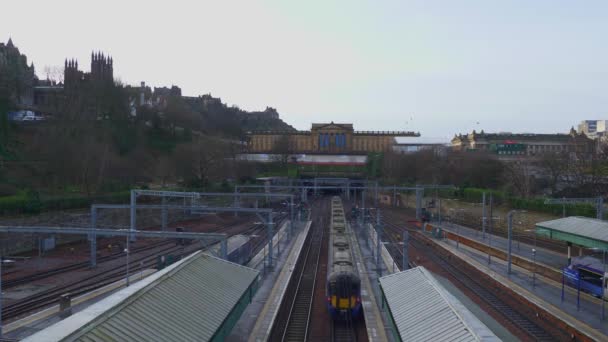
x=72, y=77
x=102, y=69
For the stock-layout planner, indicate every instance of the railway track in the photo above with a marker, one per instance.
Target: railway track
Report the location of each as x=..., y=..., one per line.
x=499, y=231
x=472, y=283
x=343, y=331
x=86, y=264
x=100, y=279
x=294, y=325
x=83, y=285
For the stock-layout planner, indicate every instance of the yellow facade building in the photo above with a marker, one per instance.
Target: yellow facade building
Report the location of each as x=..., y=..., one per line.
x=324, y=138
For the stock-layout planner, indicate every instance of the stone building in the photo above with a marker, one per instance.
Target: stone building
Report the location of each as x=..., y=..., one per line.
x=102, y=72
x=513, y=145
x=16, y=75
x=324, y=138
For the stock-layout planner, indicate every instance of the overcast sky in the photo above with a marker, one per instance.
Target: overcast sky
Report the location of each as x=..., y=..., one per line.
x=438, y=67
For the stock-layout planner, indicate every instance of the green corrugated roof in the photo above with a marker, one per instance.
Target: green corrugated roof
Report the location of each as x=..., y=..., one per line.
x=189, y=302
x=582, y=231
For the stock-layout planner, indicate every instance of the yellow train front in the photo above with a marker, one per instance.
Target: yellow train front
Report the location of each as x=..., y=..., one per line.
x=343, y=283
x=343, y=295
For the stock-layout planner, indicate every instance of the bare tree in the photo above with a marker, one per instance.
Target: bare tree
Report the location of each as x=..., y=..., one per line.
x=282, y=149
x=53, y=73
x=518, y=177
x=554, y=168
x=202, y=161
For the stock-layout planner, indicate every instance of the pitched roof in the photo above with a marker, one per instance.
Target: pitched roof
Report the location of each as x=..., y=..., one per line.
x=579, y=230
x=341, y=125
x=423, y=310
x=187, y=302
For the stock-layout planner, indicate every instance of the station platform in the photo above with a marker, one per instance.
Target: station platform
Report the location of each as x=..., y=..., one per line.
x=377, y=328
x=544, y=256
x=542, y=292
x=256, y=321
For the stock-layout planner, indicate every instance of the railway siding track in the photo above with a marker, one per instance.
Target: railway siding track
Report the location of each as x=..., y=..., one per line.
x=86, y=264
x=102, y=278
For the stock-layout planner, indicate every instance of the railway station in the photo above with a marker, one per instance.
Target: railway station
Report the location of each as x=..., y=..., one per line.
x=306, y=259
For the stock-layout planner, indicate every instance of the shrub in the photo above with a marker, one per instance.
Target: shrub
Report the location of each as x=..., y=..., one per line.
x=536, y=204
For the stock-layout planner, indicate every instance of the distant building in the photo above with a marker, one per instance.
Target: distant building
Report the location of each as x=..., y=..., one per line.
x=593, y=128
x=161, y=95
x=102, y=72
x=14, y=70
x=324, y=138
x=513, y=145
x=407, y=145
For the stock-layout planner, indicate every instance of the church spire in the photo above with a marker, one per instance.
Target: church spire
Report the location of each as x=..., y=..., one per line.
x=10, y=42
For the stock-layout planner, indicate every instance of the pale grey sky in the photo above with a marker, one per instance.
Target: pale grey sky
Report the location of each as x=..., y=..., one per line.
x=438, y=67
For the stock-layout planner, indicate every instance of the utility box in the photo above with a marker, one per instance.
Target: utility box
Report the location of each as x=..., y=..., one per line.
x=65, y=305
x=437, y=232
x=48, y=244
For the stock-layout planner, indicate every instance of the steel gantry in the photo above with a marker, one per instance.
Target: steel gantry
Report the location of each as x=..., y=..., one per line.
x=193, y=208
x=235, y=195
x=197, y=195
x=92, y=232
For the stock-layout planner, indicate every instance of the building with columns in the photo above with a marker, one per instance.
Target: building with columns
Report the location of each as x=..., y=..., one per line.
x=324, y=138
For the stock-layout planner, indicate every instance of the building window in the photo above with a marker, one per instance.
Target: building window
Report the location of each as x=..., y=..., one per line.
x=340, y=140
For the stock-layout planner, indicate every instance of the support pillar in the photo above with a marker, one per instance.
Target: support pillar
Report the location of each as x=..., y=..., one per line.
x=291, y=218
x=483, y=215
x=600, y=208
x=405, y=260
x=133, y=215
x=439, y=210
x=224, y=249
x=236, y=203
x=376, y=196
x=93, y=237
x=378, y=242
x=394, y=196
x=510, y=242
x=269, y=225
x=363, y=205
x=569, y=253
x=163, y=215
x=419, y=195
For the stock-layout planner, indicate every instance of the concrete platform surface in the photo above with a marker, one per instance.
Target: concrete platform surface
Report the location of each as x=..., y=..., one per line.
x=377, y=329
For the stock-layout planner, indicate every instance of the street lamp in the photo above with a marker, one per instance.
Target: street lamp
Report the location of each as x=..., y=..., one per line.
x=534, y=269
x=510, y=236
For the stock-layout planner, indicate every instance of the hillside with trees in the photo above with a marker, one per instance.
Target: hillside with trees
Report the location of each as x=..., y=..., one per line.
x=95, y=141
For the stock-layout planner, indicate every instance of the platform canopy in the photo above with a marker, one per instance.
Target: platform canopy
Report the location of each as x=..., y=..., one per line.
x=197, y=299
x=422, y=310
x=582, y=231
